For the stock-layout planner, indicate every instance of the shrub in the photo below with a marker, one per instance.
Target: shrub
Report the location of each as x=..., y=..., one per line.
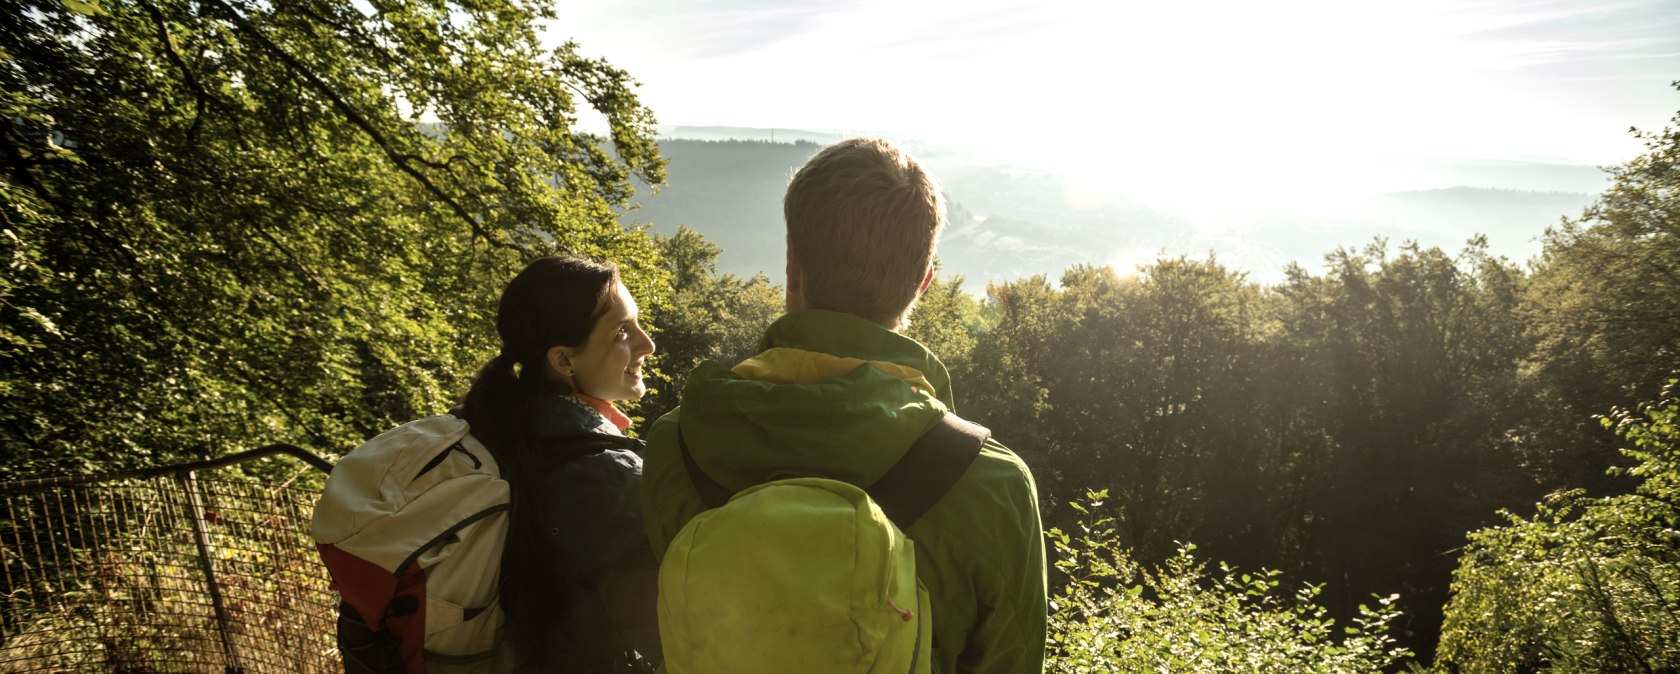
x=1114, y=615
x=1588, y=584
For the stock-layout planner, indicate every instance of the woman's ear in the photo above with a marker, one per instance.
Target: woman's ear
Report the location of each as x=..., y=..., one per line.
x=559, y=361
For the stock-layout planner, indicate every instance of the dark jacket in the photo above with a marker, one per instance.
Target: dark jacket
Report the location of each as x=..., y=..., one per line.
x=588, y=517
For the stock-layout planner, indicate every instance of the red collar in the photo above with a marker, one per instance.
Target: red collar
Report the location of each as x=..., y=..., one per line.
x=606, y=410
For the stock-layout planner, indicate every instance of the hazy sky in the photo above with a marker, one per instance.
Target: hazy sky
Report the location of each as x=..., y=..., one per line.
x=1135, y=93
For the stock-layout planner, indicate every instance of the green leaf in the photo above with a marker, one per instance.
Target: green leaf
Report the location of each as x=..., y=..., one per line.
x=84, y=7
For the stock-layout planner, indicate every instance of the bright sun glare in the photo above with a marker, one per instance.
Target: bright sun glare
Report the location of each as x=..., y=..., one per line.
x=1269, y=101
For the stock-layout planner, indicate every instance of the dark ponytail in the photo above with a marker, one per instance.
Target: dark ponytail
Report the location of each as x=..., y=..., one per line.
x=554, y=301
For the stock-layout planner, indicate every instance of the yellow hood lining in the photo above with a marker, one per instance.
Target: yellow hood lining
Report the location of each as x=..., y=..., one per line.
x=783, y=365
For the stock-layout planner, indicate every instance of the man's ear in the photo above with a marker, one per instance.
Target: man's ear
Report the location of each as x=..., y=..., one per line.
x=795, y=280
x=927, y=280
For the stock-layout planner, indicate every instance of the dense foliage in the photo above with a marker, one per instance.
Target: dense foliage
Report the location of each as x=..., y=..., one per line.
x=1115, y=616
x=1328, y=427
x=227, y=223
x=1588, y=584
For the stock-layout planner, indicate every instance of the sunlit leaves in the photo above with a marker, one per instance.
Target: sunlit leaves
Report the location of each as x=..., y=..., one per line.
x=1588, y=584
x=232, y=223
x=1115, y=615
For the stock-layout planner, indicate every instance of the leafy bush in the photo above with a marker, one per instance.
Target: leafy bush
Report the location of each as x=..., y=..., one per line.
x=1588, y=584
x=1116, y=616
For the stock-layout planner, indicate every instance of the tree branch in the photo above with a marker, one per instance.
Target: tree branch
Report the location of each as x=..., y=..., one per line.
x=297, y=264
x=201, y=97
x=362, y=123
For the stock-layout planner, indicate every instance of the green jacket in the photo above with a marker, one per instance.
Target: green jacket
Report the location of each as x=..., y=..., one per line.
x=840, y=396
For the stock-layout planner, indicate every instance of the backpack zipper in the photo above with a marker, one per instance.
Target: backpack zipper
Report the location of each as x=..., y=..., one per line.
x=457, y=447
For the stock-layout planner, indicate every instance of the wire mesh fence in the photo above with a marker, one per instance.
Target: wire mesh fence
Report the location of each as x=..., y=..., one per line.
x=190, y=568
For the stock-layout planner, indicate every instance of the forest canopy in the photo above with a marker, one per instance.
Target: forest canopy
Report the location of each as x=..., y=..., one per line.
x=230, y=223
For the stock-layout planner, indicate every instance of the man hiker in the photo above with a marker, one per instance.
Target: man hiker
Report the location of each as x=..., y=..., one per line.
x=837, y=392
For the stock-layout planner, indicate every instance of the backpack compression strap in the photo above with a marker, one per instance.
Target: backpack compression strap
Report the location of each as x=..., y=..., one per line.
x=907, y=490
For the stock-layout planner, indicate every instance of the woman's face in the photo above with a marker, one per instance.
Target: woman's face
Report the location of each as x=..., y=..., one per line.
x=609, y=364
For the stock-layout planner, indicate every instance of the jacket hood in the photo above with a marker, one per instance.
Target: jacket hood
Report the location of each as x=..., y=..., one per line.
x=834, y=394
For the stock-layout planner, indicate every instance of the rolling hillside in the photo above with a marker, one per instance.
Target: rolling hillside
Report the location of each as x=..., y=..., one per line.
x=1008, y=222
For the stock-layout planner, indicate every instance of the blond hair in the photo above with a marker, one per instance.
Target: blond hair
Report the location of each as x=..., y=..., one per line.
x=862, y=217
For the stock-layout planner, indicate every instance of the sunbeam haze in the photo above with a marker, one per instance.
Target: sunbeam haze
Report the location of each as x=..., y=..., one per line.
x=1222, y=113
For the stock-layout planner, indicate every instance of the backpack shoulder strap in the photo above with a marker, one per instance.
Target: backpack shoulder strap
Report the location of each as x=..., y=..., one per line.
x=712, y=493
x=928, y=470
x=907, y=490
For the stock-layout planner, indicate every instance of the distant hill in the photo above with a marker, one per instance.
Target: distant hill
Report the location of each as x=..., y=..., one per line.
x=1512, y=214
x=1007, y=223
x=731, y=192
x=748, y=133
x=1538, y=175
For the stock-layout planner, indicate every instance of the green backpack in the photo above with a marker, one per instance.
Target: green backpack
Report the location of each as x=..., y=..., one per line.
x=808, y=574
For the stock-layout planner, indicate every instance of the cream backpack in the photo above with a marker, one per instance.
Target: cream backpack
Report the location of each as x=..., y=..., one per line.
x=411, y=525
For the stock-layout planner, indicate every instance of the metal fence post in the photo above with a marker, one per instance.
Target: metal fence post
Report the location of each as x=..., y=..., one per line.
x=190, y=483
